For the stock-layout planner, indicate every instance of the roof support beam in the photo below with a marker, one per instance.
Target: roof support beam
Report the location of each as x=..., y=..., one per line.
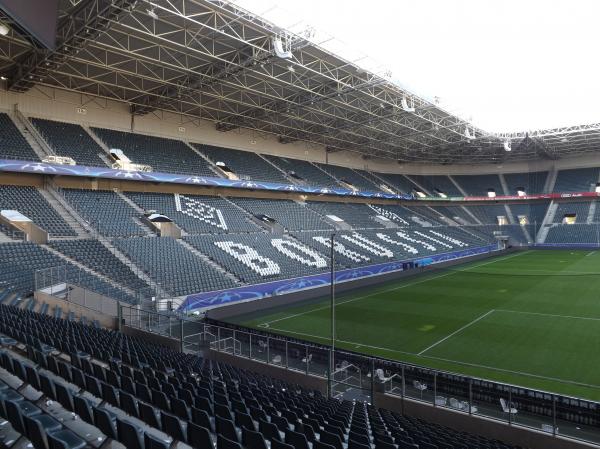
x=87, y=20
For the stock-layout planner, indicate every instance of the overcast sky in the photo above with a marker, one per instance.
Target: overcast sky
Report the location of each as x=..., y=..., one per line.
x=510, y=65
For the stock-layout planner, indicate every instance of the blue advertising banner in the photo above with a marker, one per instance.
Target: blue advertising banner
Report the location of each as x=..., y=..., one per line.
x=257, y=291
x=8, y=165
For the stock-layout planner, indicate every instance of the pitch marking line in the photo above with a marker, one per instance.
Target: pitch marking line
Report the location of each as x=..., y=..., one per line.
x=268, y=323
x=475, y=365
x=549, y=315
x=479, y=318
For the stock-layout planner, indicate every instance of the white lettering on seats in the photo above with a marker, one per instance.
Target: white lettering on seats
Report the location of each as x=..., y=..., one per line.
x=370, y=246
x=199, y=210
x=420, y=242
x=249, y=257
x=428, y=237
x=341, y=249
x=299, y=252
x=407, y=247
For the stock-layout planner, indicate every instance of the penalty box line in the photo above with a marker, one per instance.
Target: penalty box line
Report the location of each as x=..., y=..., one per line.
x=267, y=324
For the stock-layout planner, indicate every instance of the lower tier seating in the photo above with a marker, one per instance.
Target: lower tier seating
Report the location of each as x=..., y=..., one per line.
x=149, y=397
x=175, y=268
x=20, y=260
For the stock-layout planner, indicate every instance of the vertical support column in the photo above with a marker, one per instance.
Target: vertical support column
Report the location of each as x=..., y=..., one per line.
x=181, y=334
x=119, y=317
x=332, y=347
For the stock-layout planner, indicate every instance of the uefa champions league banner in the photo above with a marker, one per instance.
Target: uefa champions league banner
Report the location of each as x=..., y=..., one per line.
x=43, y=168
x=251, y=292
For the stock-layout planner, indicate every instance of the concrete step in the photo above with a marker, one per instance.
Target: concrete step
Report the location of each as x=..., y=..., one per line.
x=149, y=232
x=31, y=135
x=60, y=205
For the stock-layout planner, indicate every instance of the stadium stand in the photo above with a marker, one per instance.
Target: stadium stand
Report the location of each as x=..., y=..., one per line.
x=67, y=139
x=292, y=215
x=245, y=164
x=478, y=185
x=579, y=209
x=19, y=262
x=138, y=388
x=455, y=213
x=437, y=184
x=94, y=254
x=33, y=205
x=175, y=268
x=105, y=212
x=303, y=171
x=290, y=258
x=349, y=176
x=196, y=214
x=427, y=214
x=534, y=212
x=575, y=233
x=356, y=215
x=12, y=143
x=163, y=155
x=532, y=182
x=398, y=182
x=576, y=180
x=488, y=213
x=514, y=232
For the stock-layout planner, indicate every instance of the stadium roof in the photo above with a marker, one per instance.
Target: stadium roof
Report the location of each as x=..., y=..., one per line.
x=212, y=60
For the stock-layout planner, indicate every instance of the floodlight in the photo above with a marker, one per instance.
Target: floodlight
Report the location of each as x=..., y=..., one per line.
x=468, y=134
x=507, y=145
x=280, y=52
x=4, y=29
x=152, y=13
x=405, y=105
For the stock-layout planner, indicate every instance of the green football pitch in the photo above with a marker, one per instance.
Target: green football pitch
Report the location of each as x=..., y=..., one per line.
x=529, y=318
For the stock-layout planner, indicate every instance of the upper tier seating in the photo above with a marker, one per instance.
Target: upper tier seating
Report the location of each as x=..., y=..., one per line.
x=532, y=182
x=175, y=268
x=20, y=261
x=291, y=215
x=433, y=184
x=308, y=173
x=130, y=390
x=67, y=139
x=164, y=155
x=94, y=254
x=577, y=180
x=288, y=258
x=245, y=164
x=576, y=233
x=351, y=176
x=399, y=183
x=356, y=215
x=581, y=209
x=196, y=214
x=33, y=205
x=12, y=143
x=105, y=211
x=478, y=185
